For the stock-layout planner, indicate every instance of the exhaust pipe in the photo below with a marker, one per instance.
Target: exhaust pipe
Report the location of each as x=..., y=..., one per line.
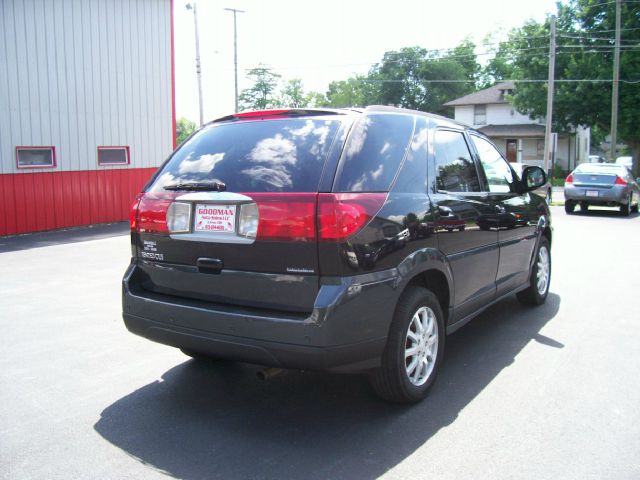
x=268, y=373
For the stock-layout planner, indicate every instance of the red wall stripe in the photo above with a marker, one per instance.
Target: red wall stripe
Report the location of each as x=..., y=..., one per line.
x=31, y=202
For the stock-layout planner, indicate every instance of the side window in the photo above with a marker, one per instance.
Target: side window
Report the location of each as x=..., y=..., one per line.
x=413, y=172
x=373, y=152
x=496, y=169
x=455, y=168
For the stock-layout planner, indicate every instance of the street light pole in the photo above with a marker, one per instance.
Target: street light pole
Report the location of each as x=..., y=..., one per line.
x=235, y=51
x=198, y=69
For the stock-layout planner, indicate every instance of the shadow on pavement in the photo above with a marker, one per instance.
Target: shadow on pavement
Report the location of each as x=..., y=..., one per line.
x=59, y=237
x=220, y=421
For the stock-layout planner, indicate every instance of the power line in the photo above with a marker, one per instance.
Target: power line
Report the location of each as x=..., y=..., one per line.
x=544, y=80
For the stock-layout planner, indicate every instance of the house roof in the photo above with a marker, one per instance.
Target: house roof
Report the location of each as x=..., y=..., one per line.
x=488, y=95
x=517, y=130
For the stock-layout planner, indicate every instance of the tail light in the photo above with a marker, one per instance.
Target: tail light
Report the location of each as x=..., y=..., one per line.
x=133, y=213
x=341, y=215
x=569, y=179
x=285, y=216
x=273, y=216
x=152, y=212
x=620, y=181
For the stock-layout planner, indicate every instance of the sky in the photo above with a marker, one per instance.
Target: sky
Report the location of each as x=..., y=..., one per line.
x=322, y=41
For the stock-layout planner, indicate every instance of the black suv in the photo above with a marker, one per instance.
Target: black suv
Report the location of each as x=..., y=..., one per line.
x=341, y=240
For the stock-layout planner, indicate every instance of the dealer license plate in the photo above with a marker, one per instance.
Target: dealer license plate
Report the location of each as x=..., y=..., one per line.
x=592, y=193
x=215, y=218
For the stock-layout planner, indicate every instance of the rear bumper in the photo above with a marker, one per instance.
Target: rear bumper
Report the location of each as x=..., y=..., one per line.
x=615, y=194
x=346, y=331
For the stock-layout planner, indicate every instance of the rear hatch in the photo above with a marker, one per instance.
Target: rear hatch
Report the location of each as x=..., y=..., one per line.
x=231, y=216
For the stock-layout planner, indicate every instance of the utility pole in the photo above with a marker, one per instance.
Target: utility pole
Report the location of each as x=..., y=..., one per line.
x=550, y=88
x=616, y=82
x=198, y=70
x=235, y=48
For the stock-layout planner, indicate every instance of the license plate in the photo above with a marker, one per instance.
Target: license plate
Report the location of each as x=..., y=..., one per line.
x=215, y=218
x=592, y=193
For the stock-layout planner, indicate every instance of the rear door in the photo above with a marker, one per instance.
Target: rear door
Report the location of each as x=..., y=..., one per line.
x=516, y=217
x=254, y=242
x=464, y=222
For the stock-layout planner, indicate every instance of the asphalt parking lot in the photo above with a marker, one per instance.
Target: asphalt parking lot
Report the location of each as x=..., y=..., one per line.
x=549, y=392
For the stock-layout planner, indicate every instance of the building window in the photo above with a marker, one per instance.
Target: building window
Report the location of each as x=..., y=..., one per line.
x=36, y=157
x=479, y=114
x=113, y=155
x=540, y=148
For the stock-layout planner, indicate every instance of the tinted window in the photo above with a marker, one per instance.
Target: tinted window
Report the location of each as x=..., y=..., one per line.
x=455, y=169
x=266, y=156
x=413, y=173
x=375, y=147
x=496, y=168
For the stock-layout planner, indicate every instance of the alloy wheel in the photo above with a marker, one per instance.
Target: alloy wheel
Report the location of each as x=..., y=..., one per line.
x=542, y=277
x=421, y=346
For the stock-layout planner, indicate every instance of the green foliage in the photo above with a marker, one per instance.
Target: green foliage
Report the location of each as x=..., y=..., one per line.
x=558, y=172
x=584, y=51
x=422, y=80
x=293, y=95
x=184, y=128
x=358, y=91
x=261, y=94
x=411, y=77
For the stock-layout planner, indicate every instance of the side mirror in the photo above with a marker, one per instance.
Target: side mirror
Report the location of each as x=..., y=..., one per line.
x=532, y=178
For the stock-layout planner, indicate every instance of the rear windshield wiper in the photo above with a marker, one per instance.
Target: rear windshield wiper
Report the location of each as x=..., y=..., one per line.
x=198, y=186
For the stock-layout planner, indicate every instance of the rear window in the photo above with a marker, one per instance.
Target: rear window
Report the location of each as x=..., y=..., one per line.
x=600, y=169
x=284, y=155
x=375, y=147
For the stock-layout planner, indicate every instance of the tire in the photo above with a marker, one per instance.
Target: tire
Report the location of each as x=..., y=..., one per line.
x=536, y=293
x=584, y=207
x=391, y=381
x=569, y=206
x=625, y=209
x=200, y=357
x=633, y=208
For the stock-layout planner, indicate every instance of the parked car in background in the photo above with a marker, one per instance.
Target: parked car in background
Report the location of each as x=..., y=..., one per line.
x=544, y=191
x=284, y=238
x=596, y=159
x=602, y=184
x=626, y=161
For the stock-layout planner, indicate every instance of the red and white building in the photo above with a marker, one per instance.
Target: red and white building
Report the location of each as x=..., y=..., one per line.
x=87, y=108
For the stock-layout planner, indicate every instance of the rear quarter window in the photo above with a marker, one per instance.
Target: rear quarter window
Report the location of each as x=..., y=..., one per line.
x=284, y=155
x=374, y=150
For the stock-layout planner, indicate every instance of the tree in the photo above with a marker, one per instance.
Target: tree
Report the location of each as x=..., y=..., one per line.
x=293, y=95
x=184, y=128
x=358, y=91
x=416, y=78
x=316, y=99
x=261, y=94
x=585, y=52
